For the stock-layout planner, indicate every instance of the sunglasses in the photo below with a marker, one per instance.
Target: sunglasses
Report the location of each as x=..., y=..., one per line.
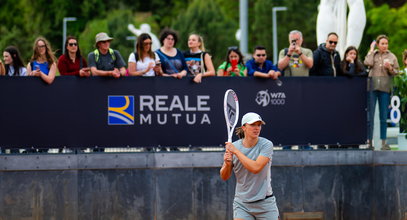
x=73, y=44
x=233, y=48
x=333, y=42
x=261, y=55
x=147, y=43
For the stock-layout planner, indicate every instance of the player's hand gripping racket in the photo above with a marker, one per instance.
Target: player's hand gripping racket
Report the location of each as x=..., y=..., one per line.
x=231, y=109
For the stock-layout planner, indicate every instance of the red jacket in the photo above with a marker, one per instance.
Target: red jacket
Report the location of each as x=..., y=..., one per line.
x=68, y=68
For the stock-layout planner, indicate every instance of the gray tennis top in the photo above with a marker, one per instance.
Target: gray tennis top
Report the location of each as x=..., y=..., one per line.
x=251, y=187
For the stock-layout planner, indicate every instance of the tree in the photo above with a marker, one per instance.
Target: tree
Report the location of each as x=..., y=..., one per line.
x=165, y=12
x=206, y=18
x=300, y=15
x=115, y=25
x=393, y=23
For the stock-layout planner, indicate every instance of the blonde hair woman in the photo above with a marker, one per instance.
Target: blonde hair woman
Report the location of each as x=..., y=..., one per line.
x=43, y=61
x=198, y=61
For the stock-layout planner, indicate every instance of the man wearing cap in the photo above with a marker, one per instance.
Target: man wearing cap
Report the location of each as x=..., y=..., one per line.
x=250, y=159
x=105, y=61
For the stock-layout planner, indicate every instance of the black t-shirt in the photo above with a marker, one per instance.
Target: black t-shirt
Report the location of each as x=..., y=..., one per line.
x=194, y=62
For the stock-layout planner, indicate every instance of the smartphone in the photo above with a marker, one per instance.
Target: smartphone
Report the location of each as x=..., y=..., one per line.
x=234, y=64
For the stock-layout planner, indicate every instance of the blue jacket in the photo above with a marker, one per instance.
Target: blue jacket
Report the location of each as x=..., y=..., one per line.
x=253, y=67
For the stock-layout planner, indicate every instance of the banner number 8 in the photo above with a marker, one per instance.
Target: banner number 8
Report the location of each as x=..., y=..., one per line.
x=395, y=113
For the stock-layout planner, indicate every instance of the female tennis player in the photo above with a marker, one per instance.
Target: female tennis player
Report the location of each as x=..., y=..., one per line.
x=250, y=159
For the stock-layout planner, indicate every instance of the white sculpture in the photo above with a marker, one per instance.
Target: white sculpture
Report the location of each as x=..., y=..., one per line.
x=332, y=18
x=145, y=28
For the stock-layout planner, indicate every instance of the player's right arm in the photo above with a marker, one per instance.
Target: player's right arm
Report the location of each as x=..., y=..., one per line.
x=227, y=166
x=253, y=166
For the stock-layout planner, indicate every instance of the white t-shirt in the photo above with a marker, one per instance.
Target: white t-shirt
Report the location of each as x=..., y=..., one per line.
x=143, y=64
x=23, y=71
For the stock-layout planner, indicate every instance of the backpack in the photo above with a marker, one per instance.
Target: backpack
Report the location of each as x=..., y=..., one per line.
x=97, y=54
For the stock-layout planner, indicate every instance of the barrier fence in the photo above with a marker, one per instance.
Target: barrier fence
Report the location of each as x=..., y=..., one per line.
x=162, y=111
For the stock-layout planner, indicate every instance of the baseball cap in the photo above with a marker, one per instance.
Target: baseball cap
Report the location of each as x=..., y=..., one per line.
x=251, y=117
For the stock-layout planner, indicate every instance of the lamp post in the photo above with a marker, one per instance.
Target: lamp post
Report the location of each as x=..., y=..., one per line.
x=243, y=8
x=275, y=10
x=65, y=20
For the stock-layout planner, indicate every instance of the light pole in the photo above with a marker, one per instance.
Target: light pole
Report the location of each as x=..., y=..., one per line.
x=275, y=9
x=243, y=8
x=66, y=19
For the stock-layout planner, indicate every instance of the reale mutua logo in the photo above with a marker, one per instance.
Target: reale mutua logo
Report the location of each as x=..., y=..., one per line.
x=120, y=110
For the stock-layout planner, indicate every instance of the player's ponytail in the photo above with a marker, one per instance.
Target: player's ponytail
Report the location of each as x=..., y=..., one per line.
x=239, y=132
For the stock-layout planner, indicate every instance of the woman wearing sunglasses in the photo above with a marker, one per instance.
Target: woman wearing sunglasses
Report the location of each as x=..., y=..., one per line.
x=71, y=63
x=143, y=62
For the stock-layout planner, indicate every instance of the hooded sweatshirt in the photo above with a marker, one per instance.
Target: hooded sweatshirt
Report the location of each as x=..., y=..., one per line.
x=326, y=63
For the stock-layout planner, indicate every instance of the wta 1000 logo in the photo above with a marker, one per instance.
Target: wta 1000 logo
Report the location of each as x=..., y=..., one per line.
x=265, y=98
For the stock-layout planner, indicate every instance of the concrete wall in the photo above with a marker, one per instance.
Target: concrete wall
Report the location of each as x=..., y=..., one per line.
x=343, y=184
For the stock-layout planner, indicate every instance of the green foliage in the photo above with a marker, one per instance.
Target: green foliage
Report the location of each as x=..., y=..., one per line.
x=165, y=12
x=205, y=18
x=13, y=37
x=364, y=46
x=87, y=37
x=115, y=25
x=300, y=15
x=230, y=8
x=216, y=20
x=117, y=22
x=400, y=84
x=147, y=17
x=393, y=23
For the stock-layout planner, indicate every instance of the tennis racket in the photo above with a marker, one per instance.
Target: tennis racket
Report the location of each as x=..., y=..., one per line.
x=231, y=110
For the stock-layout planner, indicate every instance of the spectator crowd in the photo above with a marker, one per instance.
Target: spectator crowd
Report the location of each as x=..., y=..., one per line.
x=379, y=65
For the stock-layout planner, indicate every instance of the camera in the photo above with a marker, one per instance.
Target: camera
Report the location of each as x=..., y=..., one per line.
x=293, y=42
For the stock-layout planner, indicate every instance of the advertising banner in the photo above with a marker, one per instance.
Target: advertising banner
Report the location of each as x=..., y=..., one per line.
x=142, y=111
